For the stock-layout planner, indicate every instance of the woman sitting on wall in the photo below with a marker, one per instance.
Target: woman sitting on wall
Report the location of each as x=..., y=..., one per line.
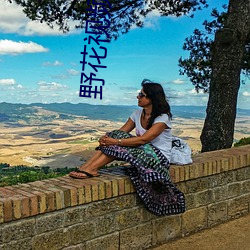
x=148, y=152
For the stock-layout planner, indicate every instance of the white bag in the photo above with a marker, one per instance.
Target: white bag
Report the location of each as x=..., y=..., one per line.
x=180, y=152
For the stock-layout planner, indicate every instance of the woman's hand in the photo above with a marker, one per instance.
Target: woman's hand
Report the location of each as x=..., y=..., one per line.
x=107, y=141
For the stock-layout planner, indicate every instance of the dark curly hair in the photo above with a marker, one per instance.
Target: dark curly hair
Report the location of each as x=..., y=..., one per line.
x=156, y=94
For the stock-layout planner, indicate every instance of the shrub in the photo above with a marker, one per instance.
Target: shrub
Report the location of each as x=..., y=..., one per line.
x=23, y=174
x=242, y=142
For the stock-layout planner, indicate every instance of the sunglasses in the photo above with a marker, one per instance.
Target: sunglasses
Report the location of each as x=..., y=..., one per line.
x=140, y=94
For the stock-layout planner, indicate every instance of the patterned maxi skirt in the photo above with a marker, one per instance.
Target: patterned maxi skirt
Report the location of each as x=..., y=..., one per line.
x=149, y=173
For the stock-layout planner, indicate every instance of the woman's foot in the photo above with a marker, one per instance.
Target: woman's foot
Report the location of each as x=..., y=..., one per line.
x=83, y=174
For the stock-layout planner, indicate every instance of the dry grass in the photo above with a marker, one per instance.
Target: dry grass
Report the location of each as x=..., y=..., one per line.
x=32, y=144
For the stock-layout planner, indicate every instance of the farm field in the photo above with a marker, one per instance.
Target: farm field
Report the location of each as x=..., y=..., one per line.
x=61, y=143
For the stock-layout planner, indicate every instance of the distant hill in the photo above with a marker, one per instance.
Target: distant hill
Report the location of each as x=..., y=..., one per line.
x=10, y=112
x=93, y=112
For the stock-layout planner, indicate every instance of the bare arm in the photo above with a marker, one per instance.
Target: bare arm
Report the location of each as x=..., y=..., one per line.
x=128, y=126
x=151, y=134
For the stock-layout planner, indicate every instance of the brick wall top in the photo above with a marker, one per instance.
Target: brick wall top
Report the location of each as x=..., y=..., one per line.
x=39, y=197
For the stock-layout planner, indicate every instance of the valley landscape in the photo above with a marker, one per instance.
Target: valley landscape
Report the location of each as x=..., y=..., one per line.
x=65, y=135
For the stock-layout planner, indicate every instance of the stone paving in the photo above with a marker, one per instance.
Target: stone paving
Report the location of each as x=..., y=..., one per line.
x=233, y=235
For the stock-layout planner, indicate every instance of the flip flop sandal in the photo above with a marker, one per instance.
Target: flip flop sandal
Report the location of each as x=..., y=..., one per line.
x=87, y=175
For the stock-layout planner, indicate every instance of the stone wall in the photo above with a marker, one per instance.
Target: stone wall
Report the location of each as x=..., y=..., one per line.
x=105, y=212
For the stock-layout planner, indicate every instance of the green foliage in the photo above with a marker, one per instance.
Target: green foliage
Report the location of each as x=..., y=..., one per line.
x=4, y=165
x=198, y=67
x=23, y=174
x=122, y=13
x=242, y=142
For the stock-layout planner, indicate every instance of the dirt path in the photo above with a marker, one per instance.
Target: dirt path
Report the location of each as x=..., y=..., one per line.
x=233, y=235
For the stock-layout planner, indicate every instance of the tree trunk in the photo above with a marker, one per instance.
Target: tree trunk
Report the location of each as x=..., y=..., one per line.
x=227, y=56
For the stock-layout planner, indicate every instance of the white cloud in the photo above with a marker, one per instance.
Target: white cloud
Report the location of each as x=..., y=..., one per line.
x=37, y=28
x=11, y=17
x=15, y=48
x=19, y=86
x=154, y=13
x=51, y=86
x=187, y=97
x=152, y=19
x=246, y=93
x=70, y=72
x=7, y=82
x=73, y=72
x=192, y=92
x=13, y=20
x=178, y=81
x=62, y=76
x=55, y=63
x=180, y=94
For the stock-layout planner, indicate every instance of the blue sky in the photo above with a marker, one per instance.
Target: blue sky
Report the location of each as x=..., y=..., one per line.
x=38, y=64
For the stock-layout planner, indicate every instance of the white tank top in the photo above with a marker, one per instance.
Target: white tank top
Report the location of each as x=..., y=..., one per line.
x=164, y=140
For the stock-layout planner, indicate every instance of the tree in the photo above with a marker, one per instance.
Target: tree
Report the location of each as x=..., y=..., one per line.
x=215, y=67
x=123, y=13
x=227, y=52
x=198, y=65
x=227, y=59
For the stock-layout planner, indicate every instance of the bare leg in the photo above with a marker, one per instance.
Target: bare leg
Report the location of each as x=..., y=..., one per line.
x=93, y=158
x=98, y=163
x=98, y=160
